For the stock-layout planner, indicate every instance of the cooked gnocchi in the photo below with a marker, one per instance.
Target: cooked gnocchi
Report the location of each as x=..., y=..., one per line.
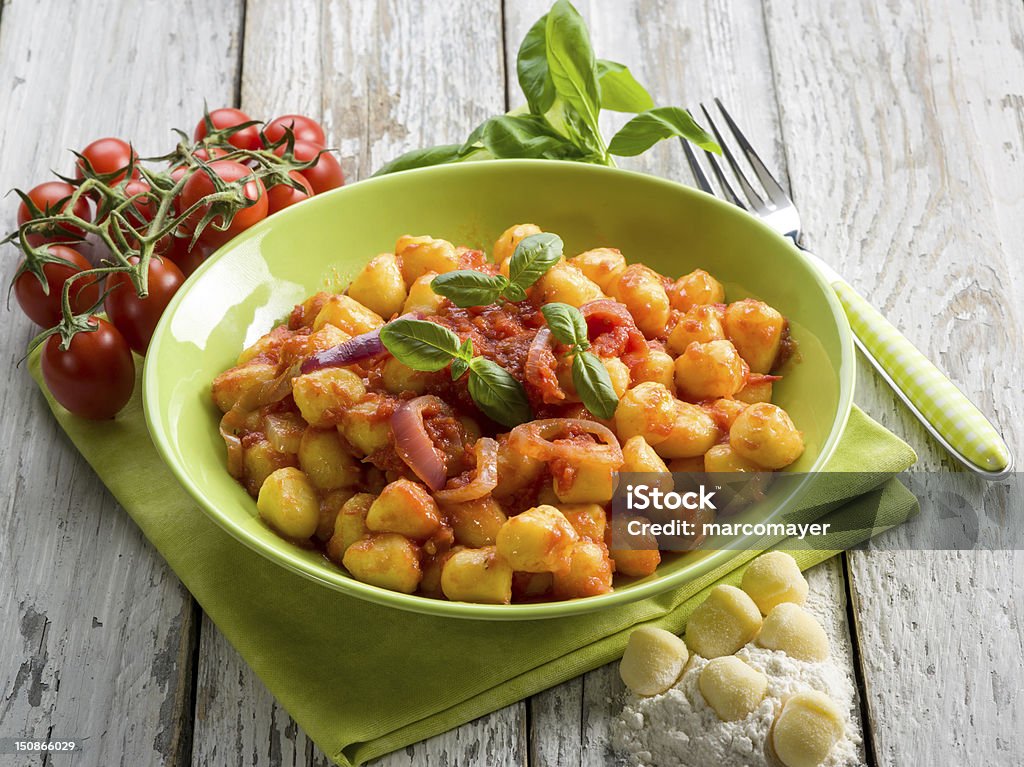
x=334, y=453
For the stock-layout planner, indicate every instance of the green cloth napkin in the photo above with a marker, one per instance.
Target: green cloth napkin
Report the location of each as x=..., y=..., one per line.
x=362, y=679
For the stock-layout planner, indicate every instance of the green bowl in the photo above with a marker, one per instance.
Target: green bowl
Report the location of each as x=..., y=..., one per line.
x=252, y=283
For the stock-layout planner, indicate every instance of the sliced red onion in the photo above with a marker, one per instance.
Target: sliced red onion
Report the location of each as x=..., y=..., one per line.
x=284, y=431
x=356, y=349
x=269, y=392
x=236, y=453
x=612, y=314
x=413, y=444
x=541, y=375
x=540, y=440
x=486, y=478
x=608, y=311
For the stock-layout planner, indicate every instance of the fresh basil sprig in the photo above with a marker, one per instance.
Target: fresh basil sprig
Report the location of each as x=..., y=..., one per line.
x=589, y=375
x=566, y=86
x=500, y=396
x=427, y=346
x=531, y=260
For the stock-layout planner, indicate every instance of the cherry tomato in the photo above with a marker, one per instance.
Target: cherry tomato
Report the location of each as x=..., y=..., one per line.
x=248, y=138
x=136, y=317
x=107, y=155
x=325, y=175
x=146, y=206
x=186, y=259
x=43, y=307
x=199, y=185
x=94, y=378
x=47, y=197
x=280, y=196
x=303, y=128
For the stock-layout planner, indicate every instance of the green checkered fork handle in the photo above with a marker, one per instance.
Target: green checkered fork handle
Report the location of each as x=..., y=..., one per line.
x=944, y=410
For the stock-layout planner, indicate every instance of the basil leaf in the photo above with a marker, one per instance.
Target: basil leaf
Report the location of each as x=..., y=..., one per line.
x=650, y=127
x=593, y=385
x=466, y=287
x=572, y=64
x=459, y=366
x=498, y=395
x=529, y=136
x=420, y=344
x=567, y=324
x=514, y=293
x=532, y=68
x=533, y=256
x=422, y=158
x=620, y=91
x=465, y=352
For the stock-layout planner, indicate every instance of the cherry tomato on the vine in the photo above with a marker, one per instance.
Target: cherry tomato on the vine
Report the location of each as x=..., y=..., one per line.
x=136, y=317
x=94, y=378
x=185, y=258
x=325, y=175
x=146, y=206
x=228, y=117
x=199, y=185
x=281, y=196
x=303, y=128
x=107, y=155
x=48, y=197
x=42, y=307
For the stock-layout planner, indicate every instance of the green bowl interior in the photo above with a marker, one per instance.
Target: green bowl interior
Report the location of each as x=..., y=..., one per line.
x=252, y=284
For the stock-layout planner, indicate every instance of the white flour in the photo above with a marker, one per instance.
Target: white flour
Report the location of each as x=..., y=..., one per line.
x=678, y=728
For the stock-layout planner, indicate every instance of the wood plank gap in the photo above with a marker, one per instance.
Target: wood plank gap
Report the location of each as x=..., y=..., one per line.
x=784, y=144
x=189, y=709
x=870, y=755
x=236, y=97
x=503, y=6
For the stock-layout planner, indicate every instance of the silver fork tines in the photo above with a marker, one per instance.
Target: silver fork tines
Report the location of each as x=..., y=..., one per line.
x=774, y=205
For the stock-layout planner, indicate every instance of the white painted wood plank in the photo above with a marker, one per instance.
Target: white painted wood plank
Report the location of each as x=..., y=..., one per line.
x=685, y=53
x=97, y=638
x=384, y=78
x=903, y=126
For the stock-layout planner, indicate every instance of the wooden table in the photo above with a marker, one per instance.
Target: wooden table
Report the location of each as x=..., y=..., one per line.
x=900, y=128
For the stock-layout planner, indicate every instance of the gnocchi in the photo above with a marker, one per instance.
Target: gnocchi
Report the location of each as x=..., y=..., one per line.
x=772, y=579
x=806, y=729
x=731, y=687
x=723, y=623
x=380, y=286
x=539, y=540
x=653, y=661
x=288, y=503
x=794, y=631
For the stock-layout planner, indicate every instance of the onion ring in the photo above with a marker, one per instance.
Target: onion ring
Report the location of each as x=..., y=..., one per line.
x=606, y=314
x=486, y=479
x=537, y=440
x=413, y=444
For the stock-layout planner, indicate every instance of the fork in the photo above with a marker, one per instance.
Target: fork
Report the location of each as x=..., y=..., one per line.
x=945, y=411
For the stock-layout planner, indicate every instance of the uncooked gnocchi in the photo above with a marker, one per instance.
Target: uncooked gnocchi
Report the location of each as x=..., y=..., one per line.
x=731, y=687
x=653, y=661
x=794, y=631
x=806, y=729
x=772, y=579
x=723, y=623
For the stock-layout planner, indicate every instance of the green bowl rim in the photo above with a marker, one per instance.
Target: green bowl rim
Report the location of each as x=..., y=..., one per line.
x=465, y=610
